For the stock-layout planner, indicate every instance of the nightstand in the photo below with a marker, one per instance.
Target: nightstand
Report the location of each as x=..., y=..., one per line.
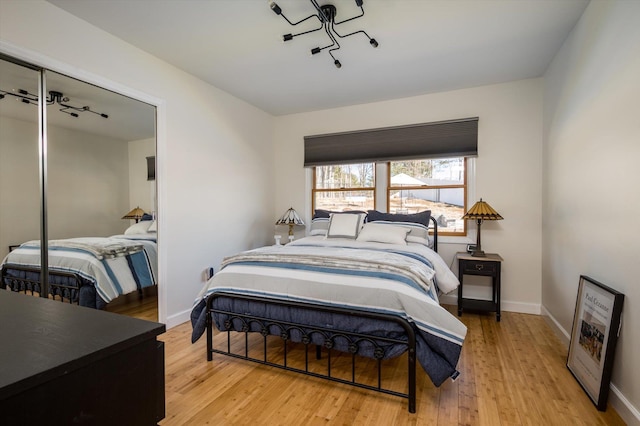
x=488, y=266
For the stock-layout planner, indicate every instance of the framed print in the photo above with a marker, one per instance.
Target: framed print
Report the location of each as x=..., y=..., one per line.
x=596, y=323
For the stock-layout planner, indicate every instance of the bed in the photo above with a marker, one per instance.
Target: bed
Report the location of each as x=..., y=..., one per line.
x=89, y=271
x=369, y=290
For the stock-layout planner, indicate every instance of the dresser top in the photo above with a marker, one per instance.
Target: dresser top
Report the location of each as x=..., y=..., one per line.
x=43, y=338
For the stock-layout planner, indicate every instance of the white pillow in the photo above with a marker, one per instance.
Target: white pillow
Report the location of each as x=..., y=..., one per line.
x=141, y=227
x=345, y=225
x=153, y=227
x=418, y=233
x=379, y=233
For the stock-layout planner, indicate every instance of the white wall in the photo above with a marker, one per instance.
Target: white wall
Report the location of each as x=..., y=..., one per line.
x=214, y=176
x=508, y=167
x=89, y=176
x=18, y=158
x=591, y=176
x=87, y=186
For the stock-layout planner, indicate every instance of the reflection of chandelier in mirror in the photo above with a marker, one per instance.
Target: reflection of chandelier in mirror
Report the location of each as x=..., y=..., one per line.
x=326, y=14
x=54, y=98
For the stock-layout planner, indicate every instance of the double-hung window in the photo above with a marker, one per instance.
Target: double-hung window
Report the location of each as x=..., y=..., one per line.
x=344, y=187
x=439, y=185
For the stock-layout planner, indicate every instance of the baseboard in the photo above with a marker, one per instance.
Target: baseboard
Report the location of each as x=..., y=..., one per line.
x=448, y=299
x=179, y=318
x=562, y=334
x=617, y=400
x=519, y=307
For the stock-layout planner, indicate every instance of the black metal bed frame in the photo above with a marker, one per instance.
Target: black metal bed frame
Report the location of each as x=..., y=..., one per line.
x=328, y=336
x=25, y=285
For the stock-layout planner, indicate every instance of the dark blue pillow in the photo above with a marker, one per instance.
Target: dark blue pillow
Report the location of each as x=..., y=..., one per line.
x=423, y=217
x=146, y=216
x=326, y=214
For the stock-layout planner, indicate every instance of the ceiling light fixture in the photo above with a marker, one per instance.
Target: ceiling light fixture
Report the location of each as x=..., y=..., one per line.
x=326, y=15
x=54, y=98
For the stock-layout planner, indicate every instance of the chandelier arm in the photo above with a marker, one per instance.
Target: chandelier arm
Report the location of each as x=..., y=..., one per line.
x=96, y=113
x=350, y=34
x=351, y=19
x=310, y=31
x=300, y=21
x=334, y=42
x=320, y=11
x=331, y=50
x=82, y=109
x=22, y=94
x=372, y=41
x=73, y=114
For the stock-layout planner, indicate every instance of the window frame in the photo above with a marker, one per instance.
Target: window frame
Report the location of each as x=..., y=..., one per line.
x=464, y=186
x=315, y=190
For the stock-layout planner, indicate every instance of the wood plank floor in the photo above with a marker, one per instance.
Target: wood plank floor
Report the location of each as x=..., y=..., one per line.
x=512, y=373
x=145, y=307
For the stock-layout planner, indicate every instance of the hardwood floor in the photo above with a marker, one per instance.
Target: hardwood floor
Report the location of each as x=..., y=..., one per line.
x=513, y=373
x=145, y=307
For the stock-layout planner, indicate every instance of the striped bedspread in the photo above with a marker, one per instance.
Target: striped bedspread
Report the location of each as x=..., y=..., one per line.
x=114, y=265
x=392, y=279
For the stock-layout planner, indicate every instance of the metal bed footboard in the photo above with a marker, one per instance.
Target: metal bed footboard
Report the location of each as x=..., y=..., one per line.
x=308, y=332
x=71, y=292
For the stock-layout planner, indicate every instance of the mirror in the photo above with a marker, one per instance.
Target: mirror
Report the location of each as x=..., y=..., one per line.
x=98, y=143
x=19, y=160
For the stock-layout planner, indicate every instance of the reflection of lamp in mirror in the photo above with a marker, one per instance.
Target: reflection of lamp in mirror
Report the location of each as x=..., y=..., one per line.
x=136, y=214
x=481, y=211
x=291, y=218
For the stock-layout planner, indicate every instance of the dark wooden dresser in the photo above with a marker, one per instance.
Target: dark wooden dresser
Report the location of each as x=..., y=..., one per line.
x=63, y=364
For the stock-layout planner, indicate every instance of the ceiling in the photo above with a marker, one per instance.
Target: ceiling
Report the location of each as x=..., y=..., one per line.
x=425, y=46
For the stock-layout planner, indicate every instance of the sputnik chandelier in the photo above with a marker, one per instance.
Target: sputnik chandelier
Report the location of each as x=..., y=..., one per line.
x=326, y=15
x=54, y=98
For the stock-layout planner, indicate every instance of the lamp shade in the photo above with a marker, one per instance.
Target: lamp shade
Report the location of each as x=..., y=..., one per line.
x=482, y=211
x=136, y=214
x=290, y=217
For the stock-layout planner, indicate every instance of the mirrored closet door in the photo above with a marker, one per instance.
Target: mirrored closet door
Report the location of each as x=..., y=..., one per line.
x=94, y=172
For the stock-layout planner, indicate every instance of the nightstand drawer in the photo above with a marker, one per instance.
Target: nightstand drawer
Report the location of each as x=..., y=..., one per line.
x=477, y=267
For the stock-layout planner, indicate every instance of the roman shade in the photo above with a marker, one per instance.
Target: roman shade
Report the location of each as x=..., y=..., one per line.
x=452, y=138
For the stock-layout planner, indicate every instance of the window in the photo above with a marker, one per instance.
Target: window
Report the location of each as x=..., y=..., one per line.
x=344, y=187
x=439, y=185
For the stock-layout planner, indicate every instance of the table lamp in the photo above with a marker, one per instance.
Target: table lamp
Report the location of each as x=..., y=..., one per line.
x=481, y=211
x=291, y=218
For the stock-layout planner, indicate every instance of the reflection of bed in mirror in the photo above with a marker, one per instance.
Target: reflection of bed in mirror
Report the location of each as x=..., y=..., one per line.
x=90, y=271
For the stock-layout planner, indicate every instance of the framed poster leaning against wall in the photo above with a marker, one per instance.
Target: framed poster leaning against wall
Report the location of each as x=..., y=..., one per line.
x=596, y=325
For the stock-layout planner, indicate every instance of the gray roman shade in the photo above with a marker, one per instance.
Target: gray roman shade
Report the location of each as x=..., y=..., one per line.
x=452, y=138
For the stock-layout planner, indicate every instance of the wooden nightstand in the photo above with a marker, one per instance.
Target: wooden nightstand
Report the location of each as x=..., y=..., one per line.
x=488, y=266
